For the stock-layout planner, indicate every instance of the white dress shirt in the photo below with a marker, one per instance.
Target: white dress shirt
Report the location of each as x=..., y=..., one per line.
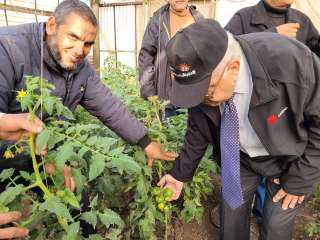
x=249, y=141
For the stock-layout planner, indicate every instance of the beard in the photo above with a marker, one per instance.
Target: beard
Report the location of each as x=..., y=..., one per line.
x=53, y=47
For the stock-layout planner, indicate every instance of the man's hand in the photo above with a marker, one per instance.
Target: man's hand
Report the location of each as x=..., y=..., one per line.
x=68, y=179
x=288, y=200
x=14, y=126
x=167, y=181
x=11, y=232
x=288, y=30
x=153, y=151
x=66, y=172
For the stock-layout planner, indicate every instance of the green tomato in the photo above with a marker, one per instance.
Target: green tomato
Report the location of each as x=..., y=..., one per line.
x=160, y=199
x=161, y=206
x=61, y=193
x=167, y=193
x=166, y=208
x=156, y=191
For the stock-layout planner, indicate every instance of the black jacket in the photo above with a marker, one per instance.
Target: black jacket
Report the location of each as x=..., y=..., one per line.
x=255, y=19
x=285, y=75
x=20, y=57
x=154, y=75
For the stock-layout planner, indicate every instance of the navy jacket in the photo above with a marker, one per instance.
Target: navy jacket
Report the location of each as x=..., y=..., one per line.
x=20, y=57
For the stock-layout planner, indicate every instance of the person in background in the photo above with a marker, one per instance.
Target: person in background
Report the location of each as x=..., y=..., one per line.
x=276, y=16
x=154, y=73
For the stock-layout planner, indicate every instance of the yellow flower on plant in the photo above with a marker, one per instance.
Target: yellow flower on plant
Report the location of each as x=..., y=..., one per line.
x=19, y=149
x=21, y=94
x=8, y=154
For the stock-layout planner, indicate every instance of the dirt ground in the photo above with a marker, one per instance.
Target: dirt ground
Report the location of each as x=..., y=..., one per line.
x=207, y=231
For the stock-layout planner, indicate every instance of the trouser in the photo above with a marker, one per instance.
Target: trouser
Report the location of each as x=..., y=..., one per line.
x=257, y=209
x=276, y=223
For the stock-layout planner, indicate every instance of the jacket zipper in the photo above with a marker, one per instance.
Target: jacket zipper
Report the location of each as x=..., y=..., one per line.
x=68, y=86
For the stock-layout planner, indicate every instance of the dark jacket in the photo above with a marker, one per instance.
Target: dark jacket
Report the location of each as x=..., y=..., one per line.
x=285, y=75
x=20, y=57
x=154, y=74
x=256, y=19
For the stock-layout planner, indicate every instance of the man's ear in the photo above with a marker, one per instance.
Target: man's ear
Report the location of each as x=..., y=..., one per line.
x=51, y=26
x=234, y=65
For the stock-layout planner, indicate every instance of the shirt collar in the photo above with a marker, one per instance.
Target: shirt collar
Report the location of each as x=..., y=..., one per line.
x=244, y=77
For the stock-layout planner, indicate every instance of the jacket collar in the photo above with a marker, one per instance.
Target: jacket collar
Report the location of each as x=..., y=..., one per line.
x=48, y=59
x=264, y=90
x=260, y=16
x=164, y=16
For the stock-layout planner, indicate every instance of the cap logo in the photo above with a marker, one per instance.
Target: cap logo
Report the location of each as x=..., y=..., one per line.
x=184, y=67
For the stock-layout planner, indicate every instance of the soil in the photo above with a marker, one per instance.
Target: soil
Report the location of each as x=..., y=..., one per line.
x=207, y=231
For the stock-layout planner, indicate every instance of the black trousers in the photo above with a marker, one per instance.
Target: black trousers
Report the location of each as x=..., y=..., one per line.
x=277, y=224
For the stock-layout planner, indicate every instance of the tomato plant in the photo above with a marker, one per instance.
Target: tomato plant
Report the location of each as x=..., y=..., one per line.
x=124, y=200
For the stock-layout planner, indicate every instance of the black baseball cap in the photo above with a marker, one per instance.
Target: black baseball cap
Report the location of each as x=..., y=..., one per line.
x=193, y=53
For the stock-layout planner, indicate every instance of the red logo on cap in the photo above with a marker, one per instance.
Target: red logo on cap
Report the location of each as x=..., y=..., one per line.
x=184, y=67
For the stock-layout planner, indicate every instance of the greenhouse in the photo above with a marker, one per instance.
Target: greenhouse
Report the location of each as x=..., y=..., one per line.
x=160, y=119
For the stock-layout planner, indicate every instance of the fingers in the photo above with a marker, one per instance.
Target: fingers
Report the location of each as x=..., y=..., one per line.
x=300, y=199
x=12, y=136
x=34, y=126
x=49, y=168
x=43, y=150
x=162, y=181
x=149, y=162
x=68, y=179
x=293, y=202
x=294, y=25
x=289, y=200
x=9, y=217
x=168, y=181
x=279, y=195
x=66, y=174
x=276, y=181
x=171, y=156
x=13, y=232
x=286, y=201
x=167, y=156
x=72, y=185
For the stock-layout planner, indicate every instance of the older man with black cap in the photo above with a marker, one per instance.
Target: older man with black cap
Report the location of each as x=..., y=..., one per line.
x=255, y=98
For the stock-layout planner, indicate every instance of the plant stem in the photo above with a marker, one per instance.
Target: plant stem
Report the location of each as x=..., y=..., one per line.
x=166, y=223
x=36, y=167
x=30, y=187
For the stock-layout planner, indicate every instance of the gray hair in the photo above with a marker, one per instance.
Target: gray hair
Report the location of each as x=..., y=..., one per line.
x=233, y=52
x=80, y=8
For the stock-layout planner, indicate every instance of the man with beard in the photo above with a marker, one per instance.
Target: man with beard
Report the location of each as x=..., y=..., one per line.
x=154, y=74
x=67, y=37
x=65, y=40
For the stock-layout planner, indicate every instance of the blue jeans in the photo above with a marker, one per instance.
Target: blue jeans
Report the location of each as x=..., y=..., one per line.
x=257, y=209
x=277, y=224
